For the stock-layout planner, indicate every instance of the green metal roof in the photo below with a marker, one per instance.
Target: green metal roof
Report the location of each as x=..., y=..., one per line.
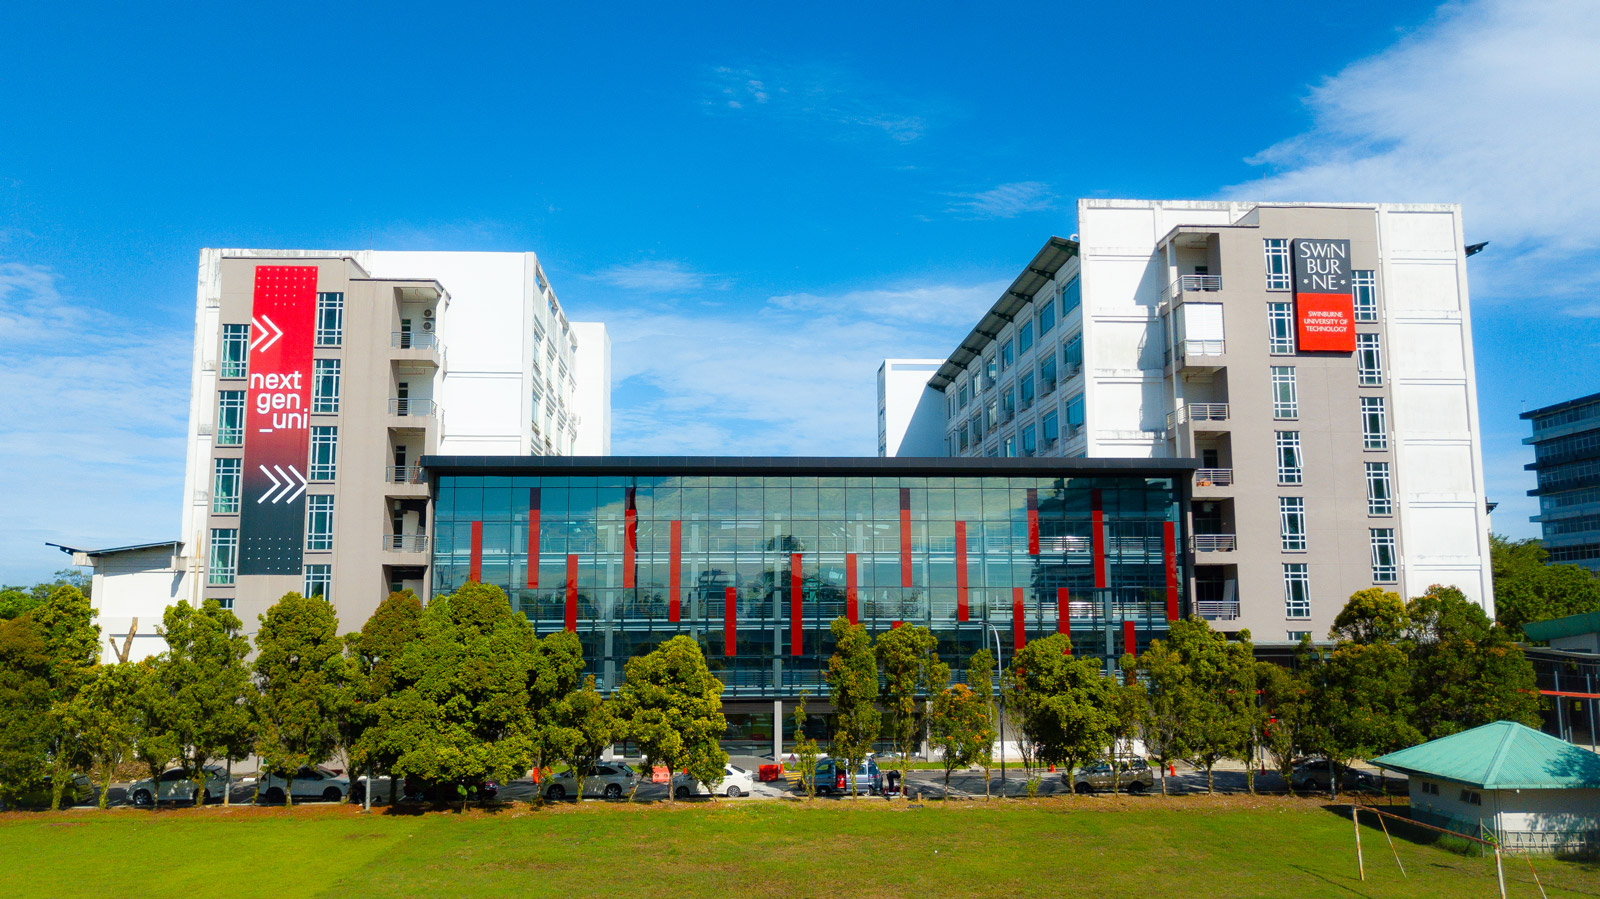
x=1570, y=626
x=1500, y=756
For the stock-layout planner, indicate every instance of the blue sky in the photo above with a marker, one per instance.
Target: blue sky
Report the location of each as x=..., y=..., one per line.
x=760, y=202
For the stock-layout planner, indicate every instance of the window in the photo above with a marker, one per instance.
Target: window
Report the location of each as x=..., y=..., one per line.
x=1047, y=318
x=1289, y=461
x=225, y=485
x=1006, y=355
x=1280, y=329
x=1285, y=398
x=1385, y=563
x=224, y=556
x=319, y=581
x=1369, y=361
x=1296, y=590
x=235, y=350
x=325, y=386
x=324, y=453
x=1278, y=277
x=1008, y=403
x=961, y=393
x=1074, y=414
x=1292, y=523
x=991, y=416
x=1297, y=636
x=1047, y=373
x=962, y=439
x=1430, y=788
x=1051, y=425
x=1365, y=286
x=1030, y=441
x=1374, y=431
x=1009, y=447
x=1071, y=297
x=990, y=372
x=1471, y=797
x=1072, y=355
x=1024, y=336
x=1026, y=386
x=330, y=319
x=1380, y=501
x=319, y=523
x=230, y=418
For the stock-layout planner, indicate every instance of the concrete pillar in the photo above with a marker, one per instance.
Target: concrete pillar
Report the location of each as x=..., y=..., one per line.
x=777, y=731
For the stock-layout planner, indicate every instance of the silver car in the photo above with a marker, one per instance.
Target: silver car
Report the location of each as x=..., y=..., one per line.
x=174, y=785
x=609, y=780
x=308, y=783
x=1133, y=775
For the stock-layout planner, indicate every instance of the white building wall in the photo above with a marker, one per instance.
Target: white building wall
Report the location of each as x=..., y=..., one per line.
x=131, y=591
x=593, y=397
x=911, y=415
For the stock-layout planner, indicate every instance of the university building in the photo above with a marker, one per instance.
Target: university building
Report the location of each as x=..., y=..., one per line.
x=1566, y=452
x=1315, y=360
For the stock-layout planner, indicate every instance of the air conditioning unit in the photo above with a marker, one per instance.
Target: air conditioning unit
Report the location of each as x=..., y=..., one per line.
x=427, y=325
x=427, y=313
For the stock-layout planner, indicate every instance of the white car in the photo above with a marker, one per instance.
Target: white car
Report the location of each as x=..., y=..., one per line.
x=735, y=782
x=308, y=783
x=174, y=785
x=610, y=780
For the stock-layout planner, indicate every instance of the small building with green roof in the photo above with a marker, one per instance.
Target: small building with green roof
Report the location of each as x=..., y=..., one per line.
x=1532, y=790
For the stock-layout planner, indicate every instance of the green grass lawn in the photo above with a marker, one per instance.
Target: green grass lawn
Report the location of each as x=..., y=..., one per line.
x=1146, y=847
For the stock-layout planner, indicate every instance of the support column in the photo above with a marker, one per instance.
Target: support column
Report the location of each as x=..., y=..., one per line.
x=777, y=731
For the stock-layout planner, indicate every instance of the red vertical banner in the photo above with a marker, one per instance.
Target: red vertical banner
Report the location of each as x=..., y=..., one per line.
x=895, y=624
x=1097, y=536
x=572, y=592
x=1130, y=638
x=1063, y=611
x=533, y=538
x=730, y=622
x=1033, y=522
x=796, y=589
x=675, y=574
x=1019, y=629
x=276, y=426
x=851, y=610
x=475, y=561
x=963, y=611
x=630, y=540
x=905, y=536
x=1169, y=557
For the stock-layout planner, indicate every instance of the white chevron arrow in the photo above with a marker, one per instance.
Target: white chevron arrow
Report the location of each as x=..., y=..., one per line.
x=270, y=331
x=270, y=490
x=297, y=490
x=288, y=482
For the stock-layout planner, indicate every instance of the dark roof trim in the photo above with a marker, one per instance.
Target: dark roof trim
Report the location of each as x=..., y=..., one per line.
x=1036, y=274
x=115, y=549
x=1589, y=400
x=792, y=465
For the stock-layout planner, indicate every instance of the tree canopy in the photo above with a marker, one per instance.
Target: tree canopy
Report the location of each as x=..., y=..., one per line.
x=853, y=688
x=671, y=706
x=1526, y=589
x=300, y=672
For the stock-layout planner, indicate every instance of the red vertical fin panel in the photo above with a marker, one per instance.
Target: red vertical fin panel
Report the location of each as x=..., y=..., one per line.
x=533, y=538
x=905, y=536
x=1033, y=522
x=475, y=563
x=851, y=611
x=963, y=612
x=1019, y=631
x=796, y=587
x=1098, y=539
x=572, y=592
x=1130, y=638
x=1169, y=555
x=895, y=624
x=730, y=622
x=1063, y=612
x=630, y=539
x=675, y=573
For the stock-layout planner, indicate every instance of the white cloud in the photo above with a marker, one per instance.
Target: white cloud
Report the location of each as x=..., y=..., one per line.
x=815, y=94
x=1005, y=201
x=94, y=425
x=652, y=277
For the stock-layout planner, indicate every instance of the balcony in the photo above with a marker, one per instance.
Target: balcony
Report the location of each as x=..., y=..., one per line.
x=1192, y=284
x=405, y=543
x=1214, y=543
x=1213, y=477
x=416, y=346
x=405, y=480
x=412, y=407
x=1217, y=610
x=1209, y=412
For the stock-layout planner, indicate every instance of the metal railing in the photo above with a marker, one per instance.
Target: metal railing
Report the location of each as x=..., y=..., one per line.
x=414, y=340
x=405, y=543
x=403, y=474
x=412, y=406
x=1215, y=543
x=1217, y=610
x=1206, y=283
x=1197, y=412
x=1045, y=387
x=1213, y=477
x=1202, y=347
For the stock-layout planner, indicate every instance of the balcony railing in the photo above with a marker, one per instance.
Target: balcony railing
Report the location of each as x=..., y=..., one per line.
x=1202, y=347
x=1215, y=543
x=414, y=340
x=1213, y=477
x=1191, y=283
x=1197, y=412
x=1218, y=610
x=405, y=543
x=1047, y=386
x=412, y=406
x=403, y=474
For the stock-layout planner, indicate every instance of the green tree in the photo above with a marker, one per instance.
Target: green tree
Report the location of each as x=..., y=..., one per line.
x=583, y=724
x=1216, y=708
x=672, y=708
x=1372, y=615
x=1361, y=705
x=462, y=713
x=557, y=673
x=104, y=717
x=374, y=653
x=300, y=671
x=157, y=716
x=960, y=728
x=853, y=688
x=1169, y=698
x=24, y=706
x=980, y=678
x=207, y=710
x=806, y=750
x=1467, y=671
x=1130, y=707
x=1283, y=704
x=1527, y=590
x=908, y=656
x=72, y=641
x=1062, y=704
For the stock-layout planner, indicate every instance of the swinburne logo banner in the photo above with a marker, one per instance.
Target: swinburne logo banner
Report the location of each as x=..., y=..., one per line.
x=1324, y=305
x=277, y=420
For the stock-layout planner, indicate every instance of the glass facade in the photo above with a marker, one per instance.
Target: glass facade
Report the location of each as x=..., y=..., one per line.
x=757, y=564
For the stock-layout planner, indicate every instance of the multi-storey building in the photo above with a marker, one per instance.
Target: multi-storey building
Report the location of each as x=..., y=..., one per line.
x=320, y=380
x=1316, y=361
x=1566, y=452
x=908, y=419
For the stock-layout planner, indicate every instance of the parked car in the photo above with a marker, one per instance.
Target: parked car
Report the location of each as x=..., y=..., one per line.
x=307, y=783
x=609, y=780
x=1317, y=774
x=1133, y=775
x=81, y=790
x=735, y=782
x=418, y=790
x=174, y=785
x=830, y=777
